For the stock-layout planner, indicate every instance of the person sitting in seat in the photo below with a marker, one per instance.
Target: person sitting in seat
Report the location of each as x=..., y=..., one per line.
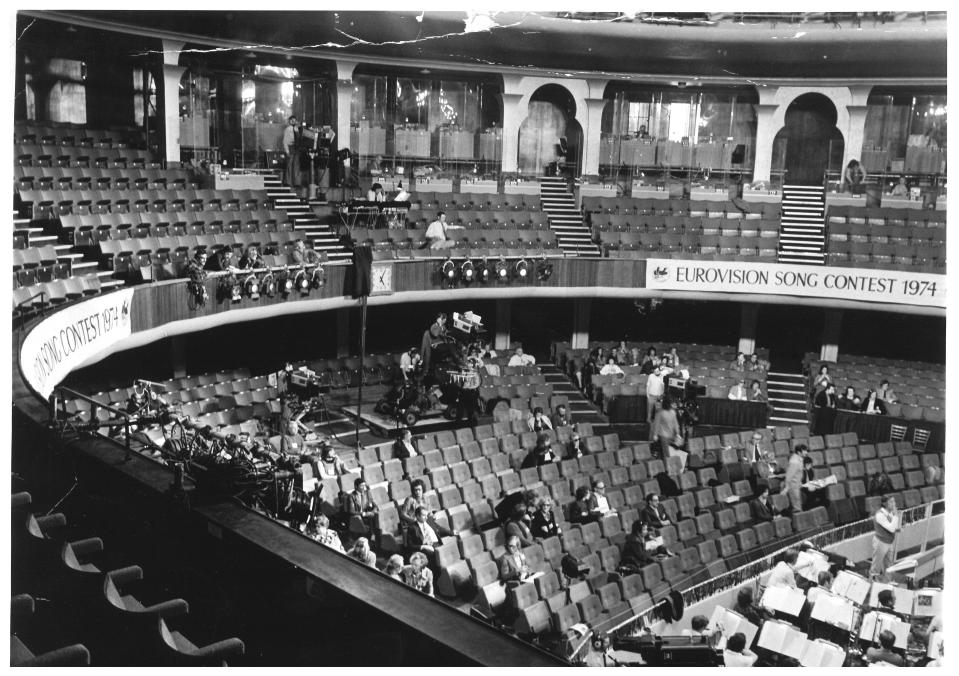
x=329, y=466
x=360, y=503
x=611, y=368
x=361, y=552
x=418, y=575
x=746, y=607
x=540, y=455
x=513, y=567
x=413, y=503
x=543, y=524
x=561, y=416
x=736, y=654
x=576, y=447
x=654, y=514
x=739, y=364
x=845, y=401
x=394, y=567
x=538, y=421
x=738, y=391
x=420, y=536
x=518, y=526
x=884, y=653
x=584, y=509
x=762, y=508
x=884, y=393
x=784, y=572
x=404, y=447
x=873, y=404
x=322, y=533
x=437, y=231
x=756, y=392
x=521, y=359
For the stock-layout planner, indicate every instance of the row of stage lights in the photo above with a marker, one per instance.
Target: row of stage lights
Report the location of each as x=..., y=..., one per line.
x=269, y=283
x=484, y=271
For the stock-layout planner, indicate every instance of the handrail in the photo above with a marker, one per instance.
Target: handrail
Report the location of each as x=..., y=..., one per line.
x=57, y=404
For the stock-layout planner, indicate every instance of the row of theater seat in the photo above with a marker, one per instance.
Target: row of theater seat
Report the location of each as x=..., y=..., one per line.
x=116, y=626
x=79, y=178
x=632, y=245
x=914, y=383
x=472, y=201
x=900, y=235
x=38, y=274
x=100, y=155
x=908, y=258
x=699, y=355
x=28, y=298
x=87, y=229
x=50, y=133
x=882, y=216
x=515, y=237
x=688, y=225
x=478, y=219
x=53, y=203
x=679, y=207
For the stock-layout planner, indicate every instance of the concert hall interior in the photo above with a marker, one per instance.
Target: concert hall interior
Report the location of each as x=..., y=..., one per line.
x=478, y=338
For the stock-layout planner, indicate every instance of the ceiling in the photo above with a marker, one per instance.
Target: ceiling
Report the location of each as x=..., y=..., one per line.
x=509, y=40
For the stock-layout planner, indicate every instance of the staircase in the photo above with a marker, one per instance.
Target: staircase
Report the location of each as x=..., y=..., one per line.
x=565, y=219
x=580, y=409
x=802, y=234
x=787, y=396
x=304, y=220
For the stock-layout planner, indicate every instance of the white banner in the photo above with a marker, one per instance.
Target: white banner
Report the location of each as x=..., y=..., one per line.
x=65, y=339
x=873, y=285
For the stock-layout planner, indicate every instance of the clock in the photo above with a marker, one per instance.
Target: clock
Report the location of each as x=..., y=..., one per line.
x=381, y=278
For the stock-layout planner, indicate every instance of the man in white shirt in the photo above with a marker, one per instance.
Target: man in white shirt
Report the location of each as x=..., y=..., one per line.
x=783, y=574
x=436, y=232
x=738, y=391
x=736, y=653
x=401, y=195
x=611, y=368
x=654, y=392
x=409, y=360
x=520, y=359
x=887, y=523
x=289, y=147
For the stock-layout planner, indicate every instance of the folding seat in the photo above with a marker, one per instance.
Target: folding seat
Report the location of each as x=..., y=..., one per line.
x=746, y=538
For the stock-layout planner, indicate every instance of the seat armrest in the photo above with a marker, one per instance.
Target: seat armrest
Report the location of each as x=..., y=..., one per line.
x=225, y=648
x=87, y=546
x=167, y=609
x=122, y=576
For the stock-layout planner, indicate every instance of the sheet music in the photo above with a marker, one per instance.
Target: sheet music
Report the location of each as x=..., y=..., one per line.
x=654, y=543
x=851, y=586
x=782, y=638
x=833, y=610
x=820, y=653
x=928, y=602
x=817, y=484
x=810, y=563
x=784, y=599
x=905, y=598
x=935, y=649
x=873, y=623
x=729, y=622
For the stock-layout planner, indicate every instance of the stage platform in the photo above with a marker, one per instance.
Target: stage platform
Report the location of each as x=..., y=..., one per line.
x=386, y=426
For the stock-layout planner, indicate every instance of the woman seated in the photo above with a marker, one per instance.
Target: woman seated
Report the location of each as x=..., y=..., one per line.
x=513, y=568
x=518, y=527
x=322, y=533
x=635, y=553
x=394, y=568
x=873, y=404
x=361, y=552
x=418, y=575
x=544, y=522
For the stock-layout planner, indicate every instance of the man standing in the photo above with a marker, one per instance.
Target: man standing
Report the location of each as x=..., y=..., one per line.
x=887, y=523
x=289, y=147
x=792, y=484
x=654, y=392
x=665, y=430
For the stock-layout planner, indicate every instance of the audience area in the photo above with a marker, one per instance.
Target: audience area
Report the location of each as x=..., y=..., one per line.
x=676, y=228
x=912, y=240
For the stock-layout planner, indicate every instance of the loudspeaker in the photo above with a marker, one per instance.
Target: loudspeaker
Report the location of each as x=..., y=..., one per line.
x=739, y=154
x=362, y=270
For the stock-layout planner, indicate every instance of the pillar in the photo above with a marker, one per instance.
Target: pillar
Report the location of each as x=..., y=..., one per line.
x=765, y=135
x=581, y=314
x=855, y=134
x=747, y=328
x=513, y=116
x=178, y=356
x=170, y=98
x=592, y=134
x=344, y=102
x=343, y=346
x=830, y=336
x=504, y=318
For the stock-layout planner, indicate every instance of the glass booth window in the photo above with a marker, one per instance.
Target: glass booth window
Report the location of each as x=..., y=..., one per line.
x=905, y=133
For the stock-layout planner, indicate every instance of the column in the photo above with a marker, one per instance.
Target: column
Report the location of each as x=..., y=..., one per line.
x=830, y=336
x=747, y=328
x=581, y=314
x=513, y=117
x=591, y=135
x=178, y=356
x=343, y=346
x=504, y=313
x=170, y=98
x=765, y=135
x=855, y=134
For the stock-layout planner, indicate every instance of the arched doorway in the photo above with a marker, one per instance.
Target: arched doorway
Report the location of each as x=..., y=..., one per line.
x=809, y=141
x=552, y=116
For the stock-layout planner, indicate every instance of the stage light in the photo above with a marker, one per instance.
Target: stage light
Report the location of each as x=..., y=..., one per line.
x=251, y=286
x=319, y=277
x=268, y=285
x=284, y=282
x=449, y=272
x=544, y=270
x=502, y=271
x=302, y=282
x=521, y=269
x=482, y=271
x=467, y=272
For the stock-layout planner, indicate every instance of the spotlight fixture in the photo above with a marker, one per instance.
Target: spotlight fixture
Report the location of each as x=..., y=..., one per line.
x=482, y=271
x=521, y=269
x=251, y=286
x=544, y=270
x=468, y=272
x=449, y=272
x=502, y=271
x=286, y=283
x=319, y=277
x=302, y=282
x=268, y=285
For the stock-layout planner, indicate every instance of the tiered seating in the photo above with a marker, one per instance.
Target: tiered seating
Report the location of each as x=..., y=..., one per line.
x=920, y=387
x=471, y=242
x=877, y=237
x=117, y=627
x=85, y=178
x=69, y=134
x=642, y=228
x=475, y=201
